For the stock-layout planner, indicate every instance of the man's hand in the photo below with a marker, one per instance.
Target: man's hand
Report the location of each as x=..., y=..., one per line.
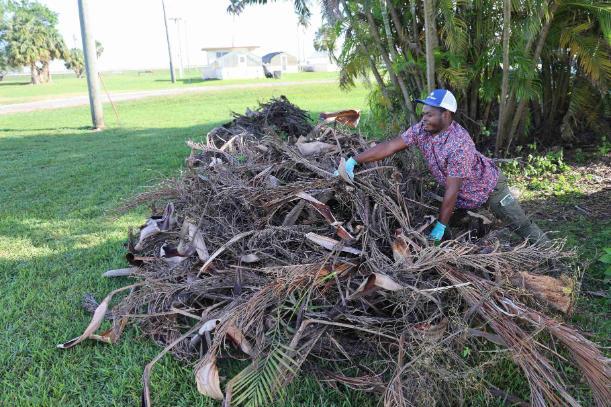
x=350, y=164
x=437, y=232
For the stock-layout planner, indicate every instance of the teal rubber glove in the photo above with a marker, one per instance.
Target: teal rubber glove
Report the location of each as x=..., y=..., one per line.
x=350, y=164
x=437, y=232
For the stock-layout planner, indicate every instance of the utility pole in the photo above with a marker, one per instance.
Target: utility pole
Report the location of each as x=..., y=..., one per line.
x=93, y=82
x=177, y=21
x=187, y=49
x=167, y=36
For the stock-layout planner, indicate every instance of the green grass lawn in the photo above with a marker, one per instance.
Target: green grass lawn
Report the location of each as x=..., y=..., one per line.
x=58, y=183
x=17, y=89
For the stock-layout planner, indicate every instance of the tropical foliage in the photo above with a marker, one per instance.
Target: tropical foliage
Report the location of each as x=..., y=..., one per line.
x=29, y=37
x=75, y=62
x=550, y=57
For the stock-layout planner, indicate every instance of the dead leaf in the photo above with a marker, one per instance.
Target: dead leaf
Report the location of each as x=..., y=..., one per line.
x=249, y=258
x=373, y=282
x=136, y=260
x=350, y=117
x=236, y=336
x=96, y=320
x=112, y=334
x=167, y=221
x=330, y=244
x=432, y=332
x=339, y=269
x=156, y=224
x=315, y=147
x=400, y=249
x=208, y=381
x=191, y=241
x=272, y=181
x=208, y=326
x=556, y=292
x=223, y=248
x=170, y=255
x=149, y=229
x=325, y=211
x=126, y=272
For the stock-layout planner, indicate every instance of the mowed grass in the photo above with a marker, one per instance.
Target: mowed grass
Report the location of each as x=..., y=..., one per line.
x=17, y=89
x=58, y=183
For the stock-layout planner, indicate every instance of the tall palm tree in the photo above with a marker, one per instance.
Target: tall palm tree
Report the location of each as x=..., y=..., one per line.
x=548, y=70
x=32, y=39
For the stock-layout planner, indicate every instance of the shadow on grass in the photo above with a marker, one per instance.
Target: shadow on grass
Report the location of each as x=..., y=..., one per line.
x=46, y=129
x=14, y=83
x=189, y=80
x=80, y=175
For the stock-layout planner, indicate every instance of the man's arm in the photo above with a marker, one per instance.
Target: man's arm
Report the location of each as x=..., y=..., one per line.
x=381, y=151
x=453, y=185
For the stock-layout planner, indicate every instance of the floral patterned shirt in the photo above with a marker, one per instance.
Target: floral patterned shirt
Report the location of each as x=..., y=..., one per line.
x=452, y=153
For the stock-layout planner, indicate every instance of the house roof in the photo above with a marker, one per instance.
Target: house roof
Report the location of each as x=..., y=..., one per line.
x=247, y=47
x=267, y=58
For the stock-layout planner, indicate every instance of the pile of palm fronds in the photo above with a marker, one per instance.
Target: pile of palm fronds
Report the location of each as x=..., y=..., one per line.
x=262, y=255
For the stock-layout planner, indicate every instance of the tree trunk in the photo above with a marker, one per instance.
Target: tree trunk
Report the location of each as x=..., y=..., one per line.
x=414, y=34
x=536, y=56
x=408, y=50
x=398, y=81
x=372, y=62
x=396, y=20
x=431, y=43
x=35, y=74
x=46, y=73
x=505, y=81
x=378, y=77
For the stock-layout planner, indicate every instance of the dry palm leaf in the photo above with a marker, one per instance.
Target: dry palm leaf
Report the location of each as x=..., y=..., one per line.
x=374, y=282
x=556, y=292
x=349, y=117
x=390, y=307
x=157, y=224
x=208, y=381
x=325, y=211
x=315, y=147
x=331, y=244
x=96, y=321
x=126, y=272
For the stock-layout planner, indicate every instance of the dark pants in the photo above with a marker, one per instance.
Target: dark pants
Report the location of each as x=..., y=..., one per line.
x=508, y=209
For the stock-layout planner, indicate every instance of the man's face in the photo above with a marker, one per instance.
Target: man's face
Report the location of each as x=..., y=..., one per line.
x=433, y=119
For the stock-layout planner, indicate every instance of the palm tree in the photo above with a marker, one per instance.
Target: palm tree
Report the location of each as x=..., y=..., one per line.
x=543, y=67
x=31, y=39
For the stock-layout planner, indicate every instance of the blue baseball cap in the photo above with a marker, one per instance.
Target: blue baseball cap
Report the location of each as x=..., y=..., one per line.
x=440, y=98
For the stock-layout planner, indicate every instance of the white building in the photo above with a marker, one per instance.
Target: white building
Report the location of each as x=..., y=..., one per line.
x=319, y=62
x=231, y=63
x=280, y=61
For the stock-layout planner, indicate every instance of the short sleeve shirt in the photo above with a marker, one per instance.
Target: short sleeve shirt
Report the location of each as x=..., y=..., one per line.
x=452, y=153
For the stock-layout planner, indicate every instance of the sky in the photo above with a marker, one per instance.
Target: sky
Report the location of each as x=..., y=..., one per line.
x=133, y=34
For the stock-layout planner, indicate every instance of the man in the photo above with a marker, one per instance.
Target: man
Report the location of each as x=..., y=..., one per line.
x=470, y=179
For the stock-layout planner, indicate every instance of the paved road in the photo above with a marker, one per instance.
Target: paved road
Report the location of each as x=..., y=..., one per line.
x=123, y=96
